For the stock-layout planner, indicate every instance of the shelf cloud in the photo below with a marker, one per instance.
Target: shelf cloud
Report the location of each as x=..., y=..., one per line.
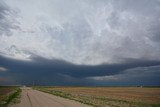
x=89, y=39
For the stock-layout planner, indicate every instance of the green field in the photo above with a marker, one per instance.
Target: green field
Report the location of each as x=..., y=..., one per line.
x=108, y=96
x=9, y=94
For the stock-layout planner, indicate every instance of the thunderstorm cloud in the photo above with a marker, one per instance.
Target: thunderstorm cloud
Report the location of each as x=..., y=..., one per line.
x=83, y=42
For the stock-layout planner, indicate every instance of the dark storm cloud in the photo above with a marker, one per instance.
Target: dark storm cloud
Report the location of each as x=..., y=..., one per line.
x=149, y=76
x=59, y=72
x=79, y=42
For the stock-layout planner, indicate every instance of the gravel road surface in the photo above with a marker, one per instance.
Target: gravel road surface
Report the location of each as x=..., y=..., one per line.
x=34, y=98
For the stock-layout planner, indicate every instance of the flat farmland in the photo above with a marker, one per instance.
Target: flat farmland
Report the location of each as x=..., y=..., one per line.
x=4, y=90
x=109, y=96
x=7, y=94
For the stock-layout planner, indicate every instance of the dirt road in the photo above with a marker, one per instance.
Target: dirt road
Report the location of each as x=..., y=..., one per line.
x=34, y=98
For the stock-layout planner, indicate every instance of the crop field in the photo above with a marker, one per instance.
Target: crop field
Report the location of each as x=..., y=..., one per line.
x=7, y=94
x=109, y=96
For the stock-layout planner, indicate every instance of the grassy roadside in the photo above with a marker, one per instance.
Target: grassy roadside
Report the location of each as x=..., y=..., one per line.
x=11, y=97
x=62, y=94
x=95, y=101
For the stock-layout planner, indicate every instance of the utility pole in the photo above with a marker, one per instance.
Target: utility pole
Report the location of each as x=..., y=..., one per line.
x=33, y=84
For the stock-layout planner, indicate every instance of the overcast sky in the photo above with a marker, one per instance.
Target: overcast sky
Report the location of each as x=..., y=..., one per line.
x=80, y=42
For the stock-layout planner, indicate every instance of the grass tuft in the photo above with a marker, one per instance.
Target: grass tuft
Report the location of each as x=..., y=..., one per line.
x=11, y=97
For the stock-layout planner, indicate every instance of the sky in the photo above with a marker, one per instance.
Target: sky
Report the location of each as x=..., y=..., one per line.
x=80, y=42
